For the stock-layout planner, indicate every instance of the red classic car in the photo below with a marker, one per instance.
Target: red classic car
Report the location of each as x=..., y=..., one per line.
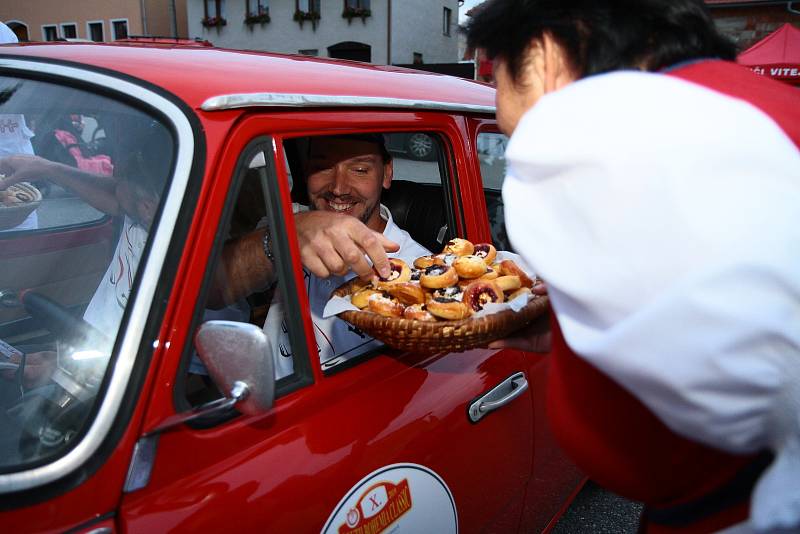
x=109, y=422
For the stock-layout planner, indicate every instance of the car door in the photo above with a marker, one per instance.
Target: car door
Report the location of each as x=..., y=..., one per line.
x=555, y=478
x=381, y=440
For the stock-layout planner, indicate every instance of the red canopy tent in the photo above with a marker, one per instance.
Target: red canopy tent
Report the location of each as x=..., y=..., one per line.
x=777, y=55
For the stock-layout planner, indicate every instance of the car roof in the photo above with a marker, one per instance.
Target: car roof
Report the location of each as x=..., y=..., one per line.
x=197, y=74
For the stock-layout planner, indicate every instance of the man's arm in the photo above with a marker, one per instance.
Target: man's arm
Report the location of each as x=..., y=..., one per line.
x=329, y=244
x=96, y=190
x=242, y=270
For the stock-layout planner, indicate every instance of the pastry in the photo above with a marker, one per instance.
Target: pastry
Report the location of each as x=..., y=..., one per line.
x=469, y=266
x=407, y=293
x=400, y=273
x=486, y=251
x=385, y=305
x=10, y=197
x=490, y=274
x=445, y=259
x=464, y=282
x=452, y=292
x=424, y=262
x=508, y=282
x=459, y=247
x=445, y=308
x=437, y=276
x=361, y=297
x=508, y=267
x=480, y=293
x=418, y=312
x=518, y=292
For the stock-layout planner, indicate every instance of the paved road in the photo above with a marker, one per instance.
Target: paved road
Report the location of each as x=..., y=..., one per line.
x=596, y=511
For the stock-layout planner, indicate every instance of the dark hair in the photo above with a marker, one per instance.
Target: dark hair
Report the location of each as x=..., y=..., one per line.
x=374, y=138
x=148, y=162
x=599, y=35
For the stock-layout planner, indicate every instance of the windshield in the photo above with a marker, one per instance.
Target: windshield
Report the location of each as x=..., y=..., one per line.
x=81, y=178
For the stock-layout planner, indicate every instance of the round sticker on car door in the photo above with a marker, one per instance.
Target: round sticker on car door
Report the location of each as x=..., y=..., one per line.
x=397, y=498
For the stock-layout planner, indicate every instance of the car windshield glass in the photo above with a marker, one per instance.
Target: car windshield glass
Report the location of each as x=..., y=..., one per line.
x=81, y=178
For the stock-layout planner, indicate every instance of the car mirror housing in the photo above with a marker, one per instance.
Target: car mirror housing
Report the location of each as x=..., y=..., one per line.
x=235, y=352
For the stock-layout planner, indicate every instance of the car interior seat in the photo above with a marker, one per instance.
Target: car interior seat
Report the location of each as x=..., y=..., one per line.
x=420, y=210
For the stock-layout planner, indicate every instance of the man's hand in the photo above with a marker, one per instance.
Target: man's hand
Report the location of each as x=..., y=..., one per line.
x=21, y=168
x=39, y=366
x=536, y=337
x=331, y=243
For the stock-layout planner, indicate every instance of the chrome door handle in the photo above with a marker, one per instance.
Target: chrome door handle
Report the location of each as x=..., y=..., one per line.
x=500, y=395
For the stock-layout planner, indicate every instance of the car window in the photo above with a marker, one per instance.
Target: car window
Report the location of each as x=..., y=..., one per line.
x=491, y=154
x=67, y=132
x=416, y=206
x=419, y=197
x=267, y=303
x=83, y=179
x=417, y=201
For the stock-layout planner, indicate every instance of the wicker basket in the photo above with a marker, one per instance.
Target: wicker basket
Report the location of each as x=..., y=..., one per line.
x=438, y=337
x=12, y=215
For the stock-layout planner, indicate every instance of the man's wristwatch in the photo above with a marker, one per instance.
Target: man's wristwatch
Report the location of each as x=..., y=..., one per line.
x=267, y=242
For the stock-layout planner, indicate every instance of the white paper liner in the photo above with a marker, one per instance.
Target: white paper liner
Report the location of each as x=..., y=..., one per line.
x=338, y=305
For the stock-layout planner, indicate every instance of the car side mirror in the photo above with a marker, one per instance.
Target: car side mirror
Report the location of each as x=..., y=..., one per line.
x=237, y=354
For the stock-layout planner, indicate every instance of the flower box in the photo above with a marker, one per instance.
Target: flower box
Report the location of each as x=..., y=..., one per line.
x=214, y=22
x=302, y=16
x=261, y=18
x=352, y=12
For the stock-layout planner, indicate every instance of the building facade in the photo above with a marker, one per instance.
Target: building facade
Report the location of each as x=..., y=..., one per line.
x=749, y=21
x=376, y=31
x=94, y=20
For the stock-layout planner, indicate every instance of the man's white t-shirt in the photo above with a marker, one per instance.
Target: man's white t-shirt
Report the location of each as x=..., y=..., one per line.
x=337, y=340
x=108, y=303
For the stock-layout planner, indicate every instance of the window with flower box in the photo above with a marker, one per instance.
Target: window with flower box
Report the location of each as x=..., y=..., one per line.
x=307, y=10
x=257, y=11
x=213, y=13
x=356, y=8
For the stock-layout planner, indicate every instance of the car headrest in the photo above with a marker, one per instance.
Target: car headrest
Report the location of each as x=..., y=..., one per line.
x=419, y=209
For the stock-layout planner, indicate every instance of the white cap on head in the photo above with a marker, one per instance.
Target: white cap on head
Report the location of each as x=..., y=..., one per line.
x=7, y=35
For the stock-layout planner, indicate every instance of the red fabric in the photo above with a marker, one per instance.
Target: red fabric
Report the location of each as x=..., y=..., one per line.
x=778, y=100
x=100, y=164
x=485, y=68
x=617, y=442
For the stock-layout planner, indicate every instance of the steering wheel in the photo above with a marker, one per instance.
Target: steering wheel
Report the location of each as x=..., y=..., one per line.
x=57, y=319
x=51, y=415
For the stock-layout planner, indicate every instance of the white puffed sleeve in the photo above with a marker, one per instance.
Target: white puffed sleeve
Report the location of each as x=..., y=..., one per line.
x=665, y=218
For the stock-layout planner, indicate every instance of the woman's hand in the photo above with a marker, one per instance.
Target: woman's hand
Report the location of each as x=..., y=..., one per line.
x=23, y=168
x=536, y=337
